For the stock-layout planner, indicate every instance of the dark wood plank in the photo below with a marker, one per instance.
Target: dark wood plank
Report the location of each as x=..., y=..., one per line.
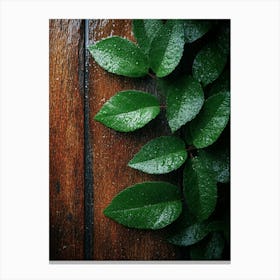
x=66, y=140
x=112, y=151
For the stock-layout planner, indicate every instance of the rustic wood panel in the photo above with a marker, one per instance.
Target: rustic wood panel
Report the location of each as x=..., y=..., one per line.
x=111, y=153
x=66, y=144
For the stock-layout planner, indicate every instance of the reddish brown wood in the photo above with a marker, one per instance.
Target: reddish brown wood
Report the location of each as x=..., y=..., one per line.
x=66, y=140
x=112, y=151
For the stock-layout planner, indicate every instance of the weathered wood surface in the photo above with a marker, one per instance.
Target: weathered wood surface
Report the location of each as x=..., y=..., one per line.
x=111, y=153
x=66, y=143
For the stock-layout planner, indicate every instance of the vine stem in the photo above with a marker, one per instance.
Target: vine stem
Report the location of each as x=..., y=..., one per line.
x=152, y=75
x=191, y=148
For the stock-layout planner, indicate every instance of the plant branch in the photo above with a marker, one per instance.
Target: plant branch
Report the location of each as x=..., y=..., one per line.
x=152, y=75
x=191, y=148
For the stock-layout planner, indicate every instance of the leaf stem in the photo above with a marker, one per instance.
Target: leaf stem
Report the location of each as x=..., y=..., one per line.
x=191, y=148
x=152, y=75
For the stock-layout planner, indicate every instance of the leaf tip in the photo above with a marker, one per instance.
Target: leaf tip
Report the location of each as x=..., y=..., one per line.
x=130, y=163
x=97, y=117
x=173, y=128
x=106, y=212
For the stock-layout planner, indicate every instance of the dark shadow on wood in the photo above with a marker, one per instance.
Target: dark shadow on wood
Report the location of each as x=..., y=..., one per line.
x=88, y=242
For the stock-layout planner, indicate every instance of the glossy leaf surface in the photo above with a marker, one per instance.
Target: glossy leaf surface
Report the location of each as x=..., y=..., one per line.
x=188, y=235
x=167, y=48
x=149, y=205
x=212, y=119
x=186, y=231
x=128, y=110
x=208, y=64
x=217, y=162
x=194, y=29
x=161, y=155
x=211, y=59
x=200, y=188
x=120, y=56
x=145, y=31
x=184, y=100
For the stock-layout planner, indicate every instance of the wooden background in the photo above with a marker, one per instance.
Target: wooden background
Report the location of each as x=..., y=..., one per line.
x=88, y=162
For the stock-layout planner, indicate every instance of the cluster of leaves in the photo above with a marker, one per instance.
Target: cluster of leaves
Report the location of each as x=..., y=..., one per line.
x=189, y=60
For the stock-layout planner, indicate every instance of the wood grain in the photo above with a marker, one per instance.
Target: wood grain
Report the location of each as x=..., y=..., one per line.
x=66, y=143
x=111, y=153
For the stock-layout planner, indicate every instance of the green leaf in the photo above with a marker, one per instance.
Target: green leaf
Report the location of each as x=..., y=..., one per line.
x=194, y=29
x=215, y=247
x=222, y=84
x=211, y=59
x=145, y=31
x=217, y=162
x=184, y=100
x=161, y=155
x=186, y=230
x=211, y=120
x=200, y=188
x=208, y=64
x=128, y=110
x=120, y=56
x=189, y=235
x=210, y=250
x=149, y=205
x=167, y=48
